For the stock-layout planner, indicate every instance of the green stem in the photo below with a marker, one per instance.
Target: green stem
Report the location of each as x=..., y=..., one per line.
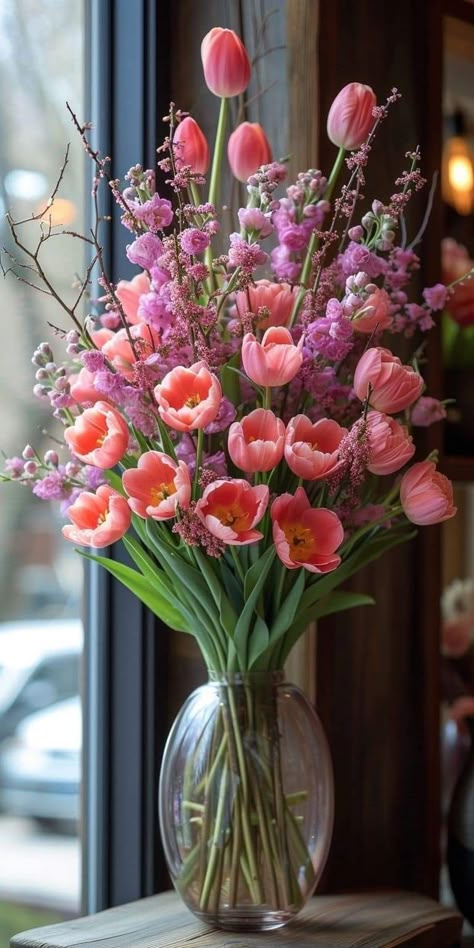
x=214, y=181
x=199, y=450
x=195, y=193
x=314, y=241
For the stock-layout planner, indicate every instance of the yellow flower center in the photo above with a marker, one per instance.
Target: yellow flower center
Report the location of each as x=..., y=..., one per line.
x=193, y=400
x=161, y=492
x=233, y=516
x=300, y=540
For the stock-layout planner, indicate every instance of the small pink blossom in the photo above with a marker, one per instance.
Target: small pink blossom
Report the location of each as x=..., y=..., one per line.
x=435, y=296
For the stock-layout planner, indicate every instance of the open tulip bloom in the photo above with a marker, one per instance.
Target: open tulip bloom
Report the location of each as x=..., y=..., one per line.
x=235, y=415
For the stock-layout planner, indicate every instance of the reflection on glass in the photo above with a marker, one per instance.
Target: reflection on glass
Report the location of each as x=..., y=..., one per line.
x=457, y=649
x=41, y=66
x=458, y=228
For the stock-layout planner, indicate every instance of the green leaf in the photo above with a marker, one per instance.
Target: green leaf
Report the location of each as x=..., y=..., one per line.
x=141, y=587
x=287, y=611
x=338, y=602
x=230, y=379
x=253, y=585
x=258, y=641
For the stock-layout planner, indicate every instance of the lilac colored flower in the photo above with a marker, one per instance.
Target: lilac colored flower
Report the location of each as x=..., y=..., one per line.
x=435, y=296
x=145, y=250
x=110, y=320
x=156, y=213
x=51, y=487
x=216, y=462
x=14, y=467
x=93, y=360
x=357, y=257
x=247, y=256
x=253, y=219
x=295, y=236
x=223, y=419
x=420, y=317
x=159, y=277
x=152, y=309
x=93, y=477
x=194, y=241
x=426, y=411
x=283, y=266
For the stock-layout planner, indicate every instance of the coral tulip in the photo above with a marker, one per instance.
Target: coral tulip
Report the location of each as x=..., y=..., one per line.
x=230, y=509
x=394, y=386
x=98, y=519
x=350, y=117
x=225, y=62
x=191, y=146
x=157, y=486
x=426, y=495
x=189, y=398
x=273, y=361
x=311, y=451
x=374, y=315
x=390, y=444
x=120, y=353
x=129, y=293
x=247, y=150
x=83, y=389
x=99, y=436
x=278, y=298
x=305, y=536
x=256, y=443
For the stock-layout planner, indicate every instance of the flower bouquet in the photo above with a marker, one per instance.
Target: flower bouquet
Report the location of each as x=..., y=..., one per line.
x=234, y=419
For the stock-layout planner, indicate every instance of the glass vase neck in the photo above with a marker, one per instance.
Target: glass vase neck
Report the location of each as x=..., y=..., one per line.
x=247, y=678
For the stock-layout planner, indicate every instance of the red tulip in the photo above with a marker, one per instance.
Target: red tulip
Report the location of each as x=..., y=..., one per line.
x=247, y=149
x=225, y=62
x=192, y=149
x=350, y=117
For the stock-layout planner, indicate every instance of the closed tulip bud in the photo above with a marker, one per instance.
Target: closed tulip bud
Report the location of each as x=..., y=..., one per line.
x=350, y=116
x=192, y=148
x=247, y=149
x=225, y=62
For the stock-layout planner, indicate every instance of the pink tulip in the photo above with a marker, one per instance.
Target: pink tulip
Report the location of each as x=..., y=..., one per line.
x=230, y=509
x=83, y=389
x=426, y=411
x=247, y=150
x=189, y=398
x=305, y=536
x=278, y=298
x=192, y=149
x=98, y=519
x=225, y=62
x=99, y=436
x=129, y=293
x=426, y=495
x=350, y=117
x=157, y=486
x=390, y=444
x=256, y=443
x=273, y=361
x=311, y=451
x=394, y=386
x=118, y=348
x=374, y=315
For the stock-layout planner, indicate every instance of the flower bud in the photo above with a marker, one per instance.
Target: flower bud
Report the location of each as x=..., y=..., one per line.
x=225, y=62
x=31, y=468
x=52, y=458
x=350, y=116
x=28, y=452
x=192, y=149
x=247, y=149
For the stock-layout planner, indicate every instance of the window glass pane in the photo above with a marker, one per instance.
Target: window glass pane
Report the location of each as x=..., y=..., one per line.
x=41, y=67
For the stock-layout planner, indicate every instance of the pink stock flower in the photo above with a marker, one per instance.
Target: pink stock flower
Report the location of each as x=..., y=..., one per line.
x=394, y=386
x=256, y=443
x=350, y=116
x=247, y=150
x=83, y=389
x=426, y=495
x=230, y=509
x=129, y=293
x=374, y=315
x=426, y=411
x=191, y=146
x=98, y=519
x=225, y=63
x=311, y=451
x=157, y=486
x=390, y=444
x=273, y=361
x=189, y=398
x=99, y=436
x=278, y=298
x=304, y=536
x=118, y=348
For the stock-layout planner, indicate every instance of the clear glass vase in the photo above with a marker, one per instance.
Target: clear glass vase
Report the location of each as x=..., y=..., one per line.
x=246, y=801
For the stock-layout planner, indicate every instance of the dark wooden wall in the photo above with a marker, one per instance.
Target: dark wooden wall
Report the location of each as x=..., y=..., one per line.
x=376, y=669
